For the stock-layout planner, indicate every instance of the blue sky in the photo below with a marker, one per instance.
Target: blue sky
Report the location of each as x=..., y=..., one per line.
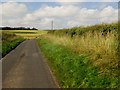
x=90, y=5
x=62, y=0
x=36, y=5
x=64, y=14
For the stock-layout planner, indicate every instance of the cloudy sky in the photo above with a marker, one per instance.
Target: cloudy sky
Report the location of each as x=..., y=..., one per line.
x=65, y=14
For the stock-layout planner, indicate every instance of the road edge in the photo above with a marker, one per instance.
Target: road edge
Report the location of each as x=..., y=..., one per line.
x=46, y=62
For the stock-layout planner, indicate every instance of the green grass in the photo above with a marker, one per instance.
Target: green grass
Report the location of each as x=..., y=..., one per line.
x=99, y=43
x=12, y=38
x=9, y=42
x=74, y=70
x=10, y=45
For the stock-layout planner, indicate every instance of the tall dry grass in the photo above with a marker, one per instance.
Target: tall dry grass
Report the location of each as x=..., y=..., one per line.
x=101, y=49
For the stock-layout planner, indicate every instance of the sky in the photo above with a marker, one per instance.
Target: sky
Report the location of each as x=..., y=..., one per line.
x=67, y=14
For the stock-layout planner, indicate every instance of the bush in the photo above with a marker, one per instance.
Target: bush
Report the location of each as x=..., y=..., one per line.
x=105, y=28
x=10, y=45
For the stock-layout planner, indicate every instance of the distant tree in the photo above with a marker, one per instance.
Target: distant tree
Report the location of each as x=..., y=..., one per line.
x=33, y=28
x=28, y=28
x=17, y=28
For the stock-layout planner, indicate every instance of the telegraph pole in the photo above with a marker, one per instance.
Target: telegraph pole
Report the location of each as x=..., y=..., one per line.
x=52, y=25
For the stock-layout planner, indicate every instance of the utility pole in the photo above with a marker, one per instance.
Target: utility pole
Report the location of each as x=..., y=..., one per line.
x=52, y=25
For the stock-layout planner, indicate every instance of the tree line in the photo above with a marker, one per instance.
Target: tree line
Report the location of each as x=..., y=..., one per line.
x=17, y=28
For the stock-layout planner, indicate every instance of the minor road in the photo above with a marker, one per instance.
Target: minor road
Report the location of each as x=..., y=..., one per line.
x=24, y=67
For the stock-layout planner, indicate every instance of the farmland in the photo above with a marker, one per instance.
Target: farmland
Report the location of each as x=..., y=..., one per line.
x=27, y=34
x=9, y=42
x=83, y=57
x=64, y=44
x=12, y=38
x=79, y=57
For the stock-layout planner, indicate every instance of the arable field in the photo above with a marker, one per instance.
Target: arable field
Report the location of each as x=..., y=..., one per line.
x=12, y=38
x=83, y=57
x=28, y=34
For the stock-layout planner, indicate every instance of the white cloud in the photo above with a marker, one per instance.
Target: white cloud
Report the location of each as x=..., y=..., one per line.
x=60, y=0
x=16, y=14
x=109, y=0
x=73, y=23
x=109, y=15
x=86, y=15
x=54, y=12
x=12, y=13
x=0, y=15
x=87, y=0
x=11, y=9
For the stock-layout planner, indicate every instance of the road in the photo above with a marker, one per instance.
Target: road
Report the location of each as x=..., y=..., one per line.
x=24, y=67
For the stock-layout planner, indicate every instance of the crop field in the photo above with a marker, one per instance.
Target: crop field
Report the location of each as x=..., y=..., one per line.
x=28, y=34
x=83, y=57
x=12, y=38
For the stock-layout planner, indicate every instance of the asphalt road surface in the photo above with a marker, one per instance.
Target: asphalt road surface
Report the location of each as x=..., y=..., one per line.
x=24, y=67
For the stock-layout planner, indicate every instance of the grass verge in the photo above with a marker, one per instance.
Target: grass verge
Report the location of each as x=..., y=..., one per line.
x=9, y=42
x=73, y=70
x=10, y=45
